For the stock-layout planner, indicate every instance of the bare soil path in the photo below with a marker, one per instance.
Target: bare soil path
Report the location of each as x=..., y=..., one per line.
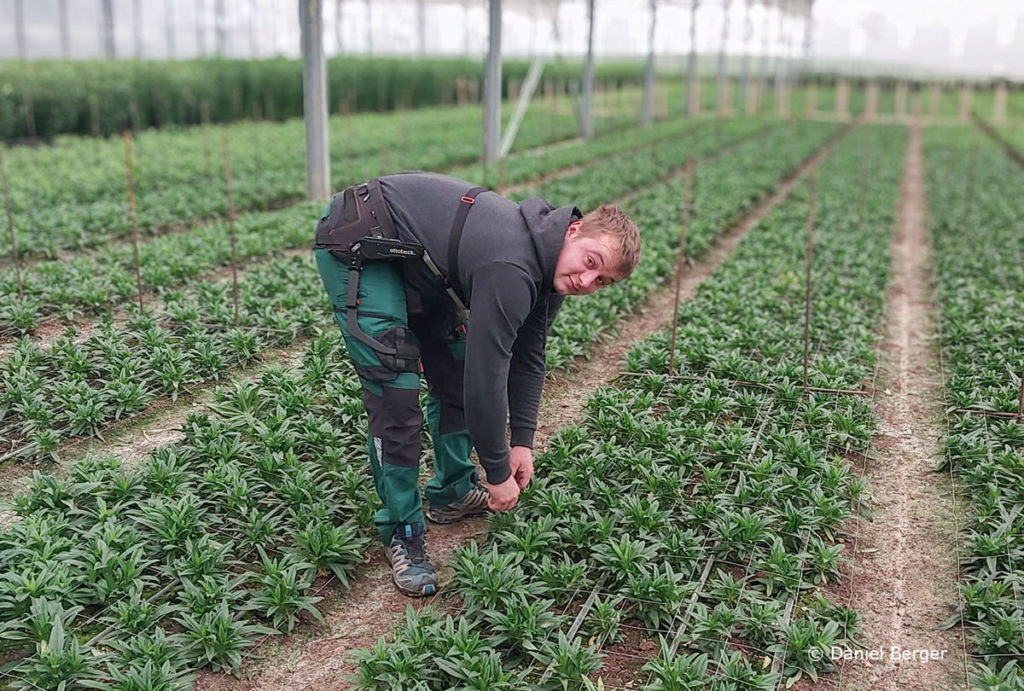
x=903, y=572
x=319, y=660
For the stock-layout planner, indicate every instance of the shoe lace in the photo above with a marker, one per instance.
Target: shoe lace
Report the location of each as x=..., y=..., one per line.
x=415, y=548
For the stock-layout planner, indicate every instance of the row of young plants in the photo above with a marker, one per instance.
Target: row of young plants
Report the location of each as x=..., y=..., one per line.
x=74, y=195
x=99, y=281
x=687, y=508
x=133, y=577
x=979, y=270
x=105, y=97
x=77, y=388
x=269, y=469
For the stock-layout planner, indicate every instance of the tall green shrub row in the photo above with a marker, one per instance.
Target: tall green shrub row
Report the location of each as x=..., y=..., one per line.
x=50, y=97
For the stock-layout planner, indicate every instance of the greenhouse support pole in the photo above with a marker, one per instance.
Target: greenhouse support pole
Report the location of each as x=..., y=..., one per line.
x=808, y=37
x=369, y=29
x=169, y=24
x=107, y=17
x=220, y=27
x=748, y=33
x=421, y=27
x=200, y=34
x=762, y=72
x=587, y=106
x=648, y=113
x=338, y=28
x=691, y=66
x=254, y=47
x=19, y=27
x=492, y=86
x=720, y=83
x=780, y=55
x=314, y=99
x=65, y=34
x=137, y=27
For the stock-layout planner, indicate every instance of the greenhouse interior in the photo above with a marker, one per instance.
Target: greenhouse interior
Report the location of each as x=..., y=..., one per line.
x=511, y=345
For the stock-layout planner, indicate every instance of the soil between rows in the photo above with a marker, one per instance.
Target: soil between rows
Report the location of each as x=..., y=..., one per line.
x=319, y=659
x=903, y=572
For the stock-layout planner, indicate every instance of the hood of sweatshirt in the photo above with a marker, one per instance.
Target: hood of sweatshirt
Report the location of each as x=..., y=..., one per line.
x=547, y=226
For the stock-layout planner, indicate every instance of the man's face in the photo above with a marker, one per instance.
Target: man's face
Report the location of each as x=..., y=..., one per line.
x=586, y=263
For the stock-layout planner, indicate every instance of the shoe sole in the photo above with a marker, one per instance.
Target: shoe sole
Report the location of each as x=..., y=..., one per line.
x=446, y=520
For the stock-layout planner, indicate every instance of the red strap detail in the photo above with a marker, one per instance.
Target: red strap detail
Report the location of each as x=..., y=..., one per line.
x=468, y=200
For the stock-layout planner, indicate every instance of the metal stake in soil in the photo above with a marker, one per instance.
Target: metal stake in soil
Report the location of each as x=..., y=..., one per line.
x=812, y=184
x=131, y=212
x=231, y=220
x=681, y=259
x=10, y=226
x=204, y=119
x=971, y=166
x=1020, y=401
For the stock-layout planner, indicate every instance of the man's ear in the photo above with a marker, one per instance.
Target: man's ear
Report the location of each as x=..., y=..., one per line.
x=575, y=227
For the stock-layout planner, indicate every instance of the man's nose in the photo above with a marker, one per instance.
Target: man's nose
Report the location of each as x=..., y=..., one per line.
x=588, y=279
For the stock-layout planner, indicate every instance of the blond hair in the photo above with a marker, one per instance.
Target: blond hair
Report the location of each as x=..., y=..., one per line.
x=610, y=220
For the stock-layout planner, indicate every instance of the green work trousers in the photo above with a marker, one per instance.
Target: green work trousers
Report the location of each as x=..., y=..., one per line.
x=391, y=394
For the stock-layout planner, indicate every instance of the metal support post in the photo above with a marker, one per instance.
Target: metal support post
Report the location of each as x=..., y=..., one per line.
x=587, y=107
x=648, y=111
x=421, y=27
x=137, y=27
x=107, y=19
x=169, y=23
x=200, y=34
x=691, y=66
x=492, y=86
x=338, y=28
x=748, y=33
x=720, y=83
x=65, y=33
x=314, y=99
x=220, y=25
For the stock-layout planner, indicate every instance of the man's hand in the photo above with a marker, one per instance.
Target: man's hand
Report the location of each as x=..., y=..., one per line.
x=503, y=496
x=520, y=461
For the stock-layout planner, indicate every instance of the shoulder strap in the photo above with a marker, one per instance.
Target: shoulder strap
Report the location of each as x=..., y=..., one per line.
x=456, y=235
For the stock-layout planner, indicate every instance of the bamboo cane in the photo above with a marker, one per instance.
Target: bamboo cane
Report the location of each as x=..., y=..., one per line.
x=812, y=184
x=231, y=219
x=129, y=171
x=10, y=226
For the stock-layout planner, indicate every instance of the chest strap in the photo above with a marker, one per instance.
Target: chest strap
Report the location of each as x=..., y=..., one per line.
x=455, y=237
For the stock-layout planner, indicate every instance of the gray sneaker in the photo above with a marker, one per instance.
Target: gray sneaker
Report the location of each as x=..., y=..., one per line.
x=411, y=569
x=473, y=504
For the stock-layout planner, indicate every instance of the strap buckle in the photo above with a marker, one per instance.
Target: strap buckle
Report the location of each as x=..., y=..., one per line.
x=468, y=200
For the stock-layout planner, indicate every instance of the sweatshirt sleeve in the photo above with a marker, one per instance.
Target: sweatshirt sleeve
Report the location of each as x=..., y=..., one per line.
x=502, y=300
x=528, y=367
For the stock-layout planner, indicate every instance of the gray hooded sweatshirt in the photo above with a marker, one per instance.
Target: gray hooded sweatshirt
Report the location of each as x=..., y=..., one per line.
x=506, y=265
